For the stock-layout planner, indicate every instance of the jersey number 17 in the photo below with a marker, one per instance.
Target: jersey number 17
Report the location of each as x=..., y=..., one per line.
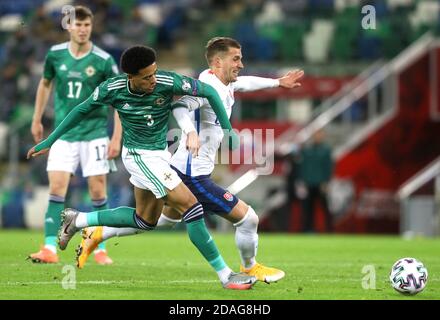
x=74, y=89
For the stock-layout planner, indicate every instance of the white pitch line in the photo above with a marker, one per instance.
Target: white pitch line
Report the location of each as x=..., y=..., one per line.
x=103, y=282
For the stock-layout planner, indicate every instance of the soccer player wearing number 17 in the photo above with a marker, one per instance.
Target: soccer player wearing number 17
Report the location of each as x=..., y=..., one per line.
x=143, y=98
x=75, y=68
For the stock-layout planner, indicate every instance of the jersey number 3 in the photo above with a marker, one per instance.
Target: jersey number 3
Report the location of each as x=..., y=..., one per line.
x=150, y=120
x=74, y=89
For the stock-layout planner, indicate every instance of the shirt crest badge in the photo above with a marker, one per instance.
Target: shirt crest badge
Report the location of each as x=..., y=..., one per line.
x=90, y=71
x=228, y=196
x=186, y=86
x=159, y=101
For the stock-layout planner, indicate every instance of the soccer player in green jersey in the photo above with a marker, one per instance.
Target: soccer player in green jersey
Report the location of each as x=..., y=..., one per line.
x=194, y=160
x=143, y=98
x=74, y=69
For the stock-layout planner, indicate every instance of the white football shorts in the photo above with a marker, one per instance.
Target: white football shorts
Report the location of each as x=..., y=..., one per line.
x=92, y=155
x=150, y=170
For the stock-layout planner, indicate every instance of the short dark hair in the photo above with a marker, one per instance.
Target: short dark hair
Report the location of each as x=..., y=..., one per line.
x=81, y=13
x=219, y=44
x=137, y=57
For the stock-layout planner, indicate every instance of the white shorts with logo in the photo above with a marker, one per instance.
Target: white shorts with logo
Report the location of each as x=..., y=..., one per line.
x=150, y=170
x=92, y=155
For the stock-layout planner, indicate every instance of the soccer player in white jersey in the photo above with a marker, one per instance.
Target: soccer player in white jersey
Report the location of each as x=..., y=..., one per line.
x=225, y=62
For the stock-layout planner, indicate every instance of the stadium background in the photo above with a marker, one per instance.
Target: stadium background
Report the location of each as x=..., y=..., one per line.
x=373, y=90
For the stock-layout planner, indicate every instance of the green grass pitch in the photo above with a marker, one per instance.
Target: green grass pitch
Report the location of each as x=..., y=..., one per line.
x=165, y=266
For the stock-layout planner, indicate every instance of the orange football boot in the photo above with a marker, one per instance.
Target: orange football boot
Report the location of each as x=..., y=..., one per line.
x=44, y=256
x=101, y=257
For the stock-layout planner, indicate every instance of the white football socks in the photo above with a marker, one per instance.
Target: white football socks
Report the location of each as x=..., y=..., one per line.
x=223, y=274
x=110, y=232
x=81, y=220
x=51, y=248
x=246, y=238
x=166, y=223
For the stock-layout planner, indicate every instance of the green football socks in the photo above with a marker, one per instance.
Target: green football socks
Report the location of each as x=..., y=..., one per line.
x=52, y=220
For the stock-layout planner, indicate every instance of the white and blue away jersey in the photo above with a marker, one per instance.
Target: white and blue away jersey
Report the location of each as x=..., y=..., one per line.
x=205, y=121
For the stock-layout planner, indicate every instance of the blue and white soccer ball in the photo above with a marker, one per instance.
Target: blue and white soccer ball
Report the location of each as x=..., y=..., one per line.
x=408, y=276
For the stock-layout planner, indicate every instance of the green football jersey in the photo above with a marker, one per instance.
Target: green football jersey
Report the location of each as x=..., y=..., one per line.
x=75, y=79
x=144, y=117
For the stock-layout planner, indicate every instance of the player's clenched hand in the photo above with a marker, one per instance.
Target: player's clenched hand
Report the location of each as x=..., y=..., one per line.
x=193, y=143
x=32, y=153
x=290, y=80
x=37, y=131
x=114, y=149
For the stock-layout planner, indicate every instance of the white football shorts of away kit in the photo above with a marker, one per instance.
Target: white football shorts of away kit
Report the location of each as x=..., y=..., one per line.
x=150, y=170
x=92, y=155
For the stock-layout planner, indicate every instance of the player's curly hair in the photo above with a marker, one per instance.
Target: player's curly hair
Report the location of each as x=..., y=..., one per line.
x=137, y=57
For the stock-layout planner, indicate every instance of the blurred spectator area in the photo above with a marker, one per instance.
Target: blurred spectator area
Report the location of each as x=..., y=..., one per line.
x=271, y=31
x=324, y=37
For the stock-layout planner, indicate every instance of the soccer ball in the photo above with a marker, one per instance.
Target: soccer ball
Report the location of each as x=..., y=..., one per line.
x=408, y=276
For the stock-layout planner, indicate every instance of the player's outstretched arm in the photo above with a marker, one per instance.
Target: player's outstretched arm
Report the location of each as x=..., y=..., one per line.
x=72, y=120
x=253, y=83
x=114, y=147
x=217, y=105
x=33, y=153
x=290, y=80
